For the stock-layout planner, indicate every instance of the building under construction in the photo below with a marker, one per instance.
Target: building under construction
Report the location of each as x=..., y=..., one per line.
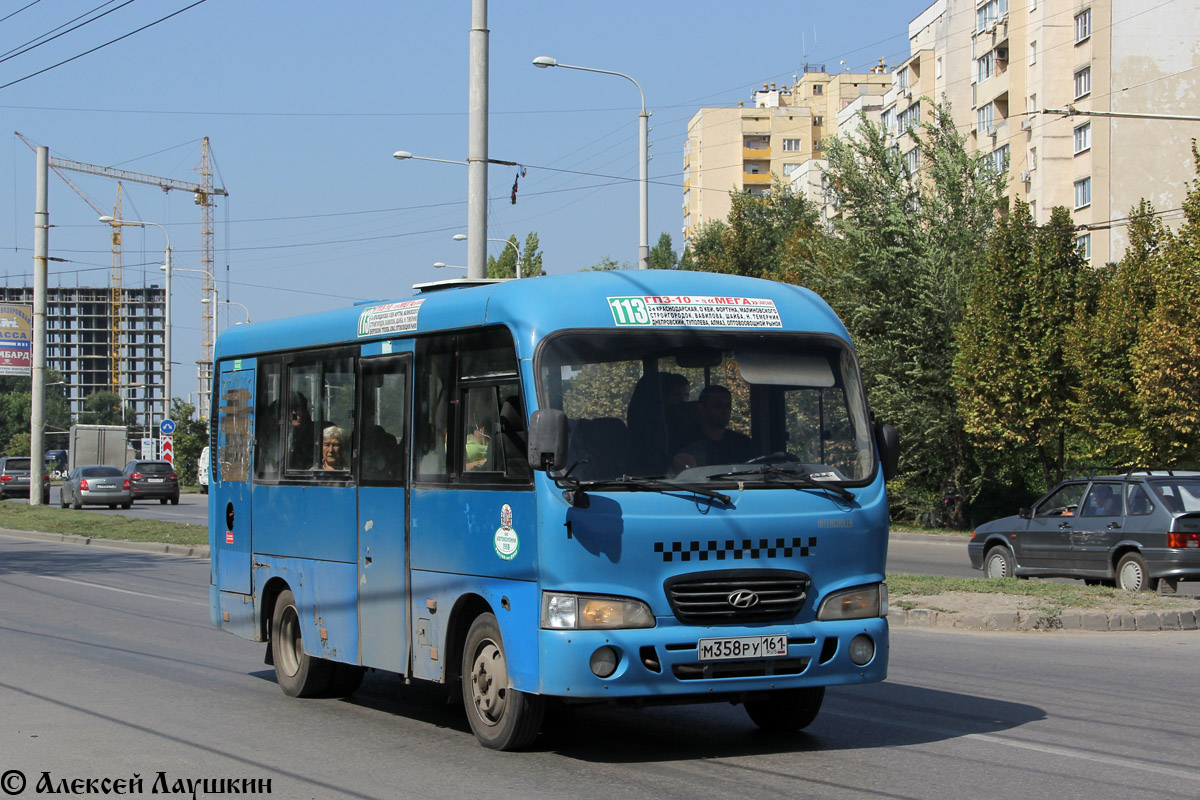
x=92, y=354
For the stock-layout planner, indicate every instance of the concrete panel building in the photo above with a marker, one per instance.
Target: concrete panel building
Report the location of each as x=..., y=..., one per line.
x=80, y=344
x=1003, y=64
x=731, y=149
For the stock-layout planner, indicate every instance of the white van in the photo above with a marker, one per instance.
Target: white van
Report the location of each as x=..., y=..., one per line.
x=202, y=471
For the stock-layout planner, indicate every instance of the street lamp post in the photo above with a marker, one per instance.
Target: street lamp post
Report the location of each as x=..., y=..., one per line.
x=229, y=303
x=135, y=223
x=543, y=62
x=444, y=265
x=462, y=237
x=216, y=296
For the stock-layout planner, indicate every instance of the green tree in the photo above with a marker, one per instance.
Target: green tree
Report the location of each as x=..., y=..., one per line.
x=1013, y=372
x=1167, y=351
x=190, y=437
x=16, y=409
x=504, y=265
x=908, y=248
x=662, y=255
x=102, y=408
x=608, y=263
x=760, y=231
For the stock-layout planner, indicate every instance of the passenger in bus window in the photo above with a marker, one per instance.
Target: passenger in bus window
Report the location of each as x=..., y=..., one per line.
x=333, y=448
x=300, y=435
x=717, y=444
x=477, y=447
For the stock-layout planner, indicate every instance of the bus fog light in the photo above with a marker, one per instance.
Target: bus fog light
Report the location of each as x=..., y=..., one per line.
x=603, y=662
x=862, y=649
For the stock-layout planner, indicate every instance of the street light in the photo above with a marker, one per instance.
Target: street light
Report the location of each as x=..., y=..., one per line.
x=476, y=205
x=228, y=303
x=462, y=237
x=443, y=265
x=542, y=62
x=137, y=223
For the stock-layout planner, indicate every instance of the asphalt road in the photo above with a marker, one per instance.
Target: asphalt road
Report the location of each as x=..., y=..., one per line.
x=109, y=668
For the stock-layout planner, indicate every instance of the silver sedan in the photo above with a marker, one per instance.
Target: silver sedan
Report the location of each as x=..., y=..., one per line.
x=96, y=485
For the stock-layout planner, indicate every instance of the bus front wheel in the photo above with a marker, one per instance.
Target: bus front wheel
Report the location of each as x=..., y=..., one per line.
x=298, y=673
x=501, y=717
x=786, y=711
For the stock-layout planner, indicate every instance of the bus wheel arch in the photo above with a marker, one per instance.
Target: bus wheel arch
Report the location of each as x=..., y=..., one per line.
x=266, y=609
x=466, y=609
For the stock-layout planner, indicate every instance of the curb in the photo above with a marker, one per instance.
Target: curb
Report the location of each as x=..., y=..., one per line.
x=1170, y=620
x=179, y=550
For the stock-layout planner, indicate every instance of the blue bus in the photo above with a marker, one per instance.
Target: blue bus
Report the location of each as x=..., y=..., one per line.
x=618, y=487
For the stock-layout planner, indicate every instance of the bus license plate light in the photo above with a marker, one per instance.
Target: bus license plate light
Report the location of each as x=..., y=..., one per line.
x=740, y=647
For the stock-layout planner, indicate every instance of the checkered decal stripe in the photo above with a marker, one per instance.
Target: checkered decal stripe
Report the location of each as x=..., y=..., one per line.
x=734, y=550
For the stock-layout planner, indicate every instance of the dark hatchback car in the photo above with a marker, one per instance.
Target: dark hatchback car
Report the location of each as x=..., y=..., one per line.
x=14, y=479
x=1133, y=531
x=153, y=480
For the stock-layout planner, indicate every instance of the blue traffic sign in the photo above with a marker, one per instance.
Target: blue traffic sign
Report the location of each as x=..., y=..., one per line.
x=167, y=427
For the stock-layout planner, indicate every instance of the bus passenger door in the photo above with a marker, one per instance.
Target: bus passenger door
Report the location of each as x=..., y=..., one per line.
x=383, y=448
x=229, y=490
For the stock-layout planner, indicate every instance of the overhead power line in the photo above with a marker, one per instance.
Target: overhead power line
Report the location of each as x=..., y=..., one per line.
x=102, y=46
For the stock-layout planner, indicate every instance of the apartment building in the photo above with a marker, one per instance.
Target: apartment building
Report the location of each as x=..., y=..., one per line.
x=82, y=346
x=1009, y=67
x=731, y=149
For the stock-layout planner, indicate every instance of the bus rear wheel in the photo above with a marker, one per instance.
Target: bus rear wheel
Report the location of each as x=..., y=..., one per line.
x=298, y=673
x=786, y=711
x=501, y=717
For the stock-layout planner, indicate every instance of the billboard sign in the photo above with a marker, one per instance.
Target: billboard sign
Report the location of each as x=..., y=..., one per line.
x=16, y=339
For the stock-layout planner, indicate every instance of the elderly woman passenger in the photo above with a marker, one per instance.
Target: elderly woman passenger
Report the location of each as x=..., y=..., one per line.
x=333, y=446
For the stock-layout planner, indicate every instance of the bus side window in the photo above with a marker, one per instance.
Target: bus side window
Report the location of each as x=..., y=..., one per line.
x=384, y=401
x=320, y=401
x=268, y=433
x=431, y=408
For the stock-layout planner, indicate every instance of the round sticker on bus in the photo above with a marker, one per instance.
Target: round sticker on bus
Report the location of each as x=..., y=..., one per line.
x=506, y=542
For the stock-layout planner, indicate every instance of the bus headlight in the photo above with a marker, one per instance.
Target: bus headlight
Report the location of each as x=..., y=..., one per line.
x=592, y=612
x=861, y=602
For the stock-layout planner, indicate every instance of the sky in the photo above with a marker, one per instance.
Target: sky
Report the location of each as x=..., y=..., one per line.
x=305, y=102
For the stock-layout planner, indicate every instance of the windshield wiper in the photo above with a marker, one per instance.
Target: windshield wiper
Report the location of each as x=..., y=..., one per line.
x=654, y=483
x=786, y=477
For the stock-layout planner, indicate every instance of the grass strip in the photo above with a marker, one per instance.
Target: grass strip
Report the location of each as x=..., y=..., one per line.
x=1050, y=595
x=97, y=524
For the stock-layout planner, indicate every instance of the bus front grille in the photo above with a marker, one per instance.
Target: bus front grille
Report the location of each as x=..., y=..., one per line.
x=736, y=596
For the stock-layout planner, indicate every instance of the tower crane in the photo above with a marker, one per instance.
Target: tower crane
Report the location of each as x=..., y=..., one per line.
x=204, y=195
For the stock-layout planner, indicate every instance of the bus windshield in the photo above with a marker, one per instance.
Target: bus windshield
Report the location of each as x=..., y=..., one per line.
x=693, y=406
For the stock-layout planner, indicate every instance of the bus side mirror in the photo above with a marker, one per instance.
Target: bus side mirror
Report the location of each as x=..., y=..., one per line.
x=548, y=440
x=888, y=440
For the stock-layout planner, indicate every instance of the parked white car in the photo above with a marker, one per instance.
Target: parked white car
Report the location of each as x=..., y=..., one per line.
x=202, y=471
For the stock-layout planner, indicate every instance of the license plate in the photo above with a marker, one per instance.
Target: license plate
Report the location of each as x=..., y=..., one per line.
x=734, y=647
x=156, y=480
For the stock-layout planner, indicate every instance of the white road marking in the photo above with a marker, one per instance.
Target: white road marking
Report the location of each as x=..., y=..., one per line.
x=1048, y=749
x=122, y=591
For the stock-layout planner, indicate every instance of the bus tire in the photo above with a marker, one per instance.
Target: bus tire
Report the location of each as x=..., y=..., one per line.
x=501, y=717
x=786, y=711
x=298, y=673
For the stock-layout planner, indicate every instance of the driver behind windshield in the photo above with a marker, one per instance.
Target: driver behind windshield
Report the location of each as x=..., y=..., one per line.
x=717, y=444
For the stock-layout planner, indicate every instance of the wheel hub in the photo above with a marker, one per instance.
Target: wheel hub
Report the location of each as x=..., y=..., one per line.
x=489, y=683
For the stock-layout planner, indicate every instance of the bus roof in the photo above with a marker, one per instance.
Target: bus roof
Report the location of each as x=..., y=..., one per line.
x=535, y=307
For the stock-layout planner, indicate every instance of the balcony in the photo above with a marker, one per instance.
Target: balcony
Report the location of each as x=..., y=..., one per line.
x=756, y=178
x=756, y=154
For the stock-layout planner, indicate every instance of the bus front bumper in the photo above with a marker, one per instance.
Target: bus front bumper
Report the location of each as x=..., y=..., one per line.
x=665, y=661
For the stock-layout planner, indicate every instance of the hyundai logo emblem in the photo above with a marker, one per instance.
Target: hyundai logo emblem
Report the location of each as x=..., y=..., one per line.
x=742, y=598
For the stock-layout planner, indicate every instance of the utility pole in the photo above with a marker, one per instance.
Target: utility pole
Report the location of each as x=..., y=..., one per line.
x=41, y=254
x=477, y=148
